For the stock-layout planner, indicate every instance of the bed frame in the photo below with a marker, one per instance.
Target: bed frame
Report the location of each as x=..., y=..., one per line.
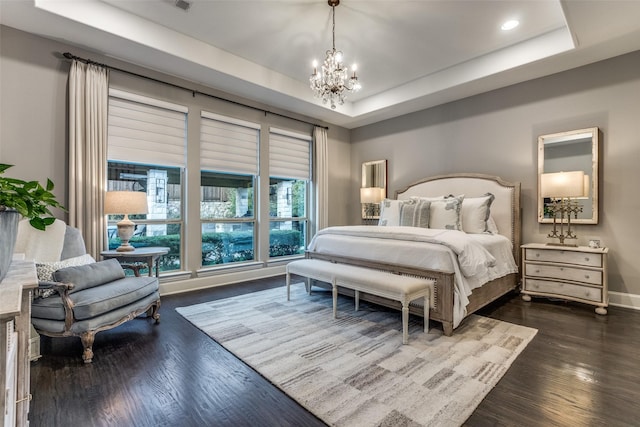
x=505, y=210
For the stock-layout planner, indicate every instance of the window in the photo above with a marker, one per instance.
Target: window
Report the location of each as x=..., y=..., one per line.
x=146, y=152
x=250, y=212
x=229, y=169
x=290, y=173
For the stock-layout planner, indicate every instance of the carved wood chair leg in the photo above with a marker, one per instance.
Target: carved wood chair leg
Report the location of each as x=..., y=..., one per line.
x=87, y=342
x=154, y=314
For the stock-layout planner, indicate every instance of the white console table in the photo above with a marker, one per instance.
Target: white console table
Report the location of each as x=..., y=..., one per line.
x=15, y=328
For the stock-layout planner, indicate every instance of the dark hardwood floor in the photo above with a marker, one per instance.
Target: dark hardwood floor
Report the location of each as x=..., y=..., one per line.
x=580, y=370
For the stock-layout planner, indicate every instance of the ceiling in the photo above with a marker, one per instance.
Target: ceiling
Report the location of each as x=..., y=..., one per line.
x=411, y=54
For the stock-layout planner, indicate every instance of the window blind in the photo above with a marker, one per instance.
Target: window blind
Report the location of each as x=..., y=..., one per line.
x=289, y=154
x=143, y=130
x=228, y=145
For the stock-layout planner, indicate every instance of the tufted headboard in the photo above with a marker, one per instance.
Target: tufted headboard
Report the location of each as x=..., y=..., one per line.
x=505, y=208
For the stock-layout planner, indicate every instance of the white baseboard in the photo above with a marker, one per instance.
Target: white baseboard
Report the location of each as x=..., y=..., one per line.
x=619, y=299
x=213, y=280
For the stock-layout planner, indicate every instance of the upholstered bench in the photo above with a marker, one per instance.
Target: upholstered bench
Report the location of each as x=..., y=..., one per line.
x=388, y=285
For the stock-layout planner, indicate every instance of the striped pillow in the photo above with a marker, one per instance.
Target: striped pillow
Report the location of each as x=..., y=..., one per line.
x=415, y=214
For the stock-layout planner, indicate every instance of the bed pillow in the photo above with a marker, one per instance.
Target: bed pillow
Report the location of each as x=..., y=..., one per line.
x=390, y=211
x=475, y=213
x=429, y=199
x=492, y=227
x=445, y=213
x=415, y=214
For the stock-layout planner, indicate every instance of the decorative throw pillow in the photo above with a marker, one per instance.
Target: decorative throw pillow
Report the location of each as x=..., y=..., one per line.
x=415, y=214
x=445, y=213
x=475, y=213
x=90, y=275
x=45, y=270
x=390, y=212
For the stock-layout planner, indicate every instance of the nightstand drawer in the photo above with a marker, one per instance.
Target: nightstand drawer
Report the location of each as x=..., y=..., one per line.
x=566, y=257
x=564, y=289
x=592, y=277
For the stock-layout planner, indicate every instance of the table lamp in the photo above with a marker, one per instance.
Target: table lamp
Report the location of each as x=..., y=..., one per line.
x=127, y=203
x=371, y=197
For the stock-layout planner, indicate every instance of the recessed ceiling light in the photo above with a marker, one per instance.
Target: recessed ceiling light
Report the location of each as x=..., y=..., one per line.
x=182, y=4
x=510, y=24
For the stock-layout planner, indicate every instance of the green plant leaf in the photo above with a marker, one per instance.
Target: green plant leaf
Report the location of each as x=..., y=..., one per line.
x=37, y=223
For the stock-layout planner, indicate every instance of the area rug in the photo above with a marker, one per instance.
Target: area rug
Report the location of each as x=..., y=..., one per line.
x=354, y=370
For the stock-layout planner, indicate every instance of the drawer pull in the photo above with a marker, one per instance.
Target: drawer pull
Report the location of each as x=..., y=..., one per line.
x=537, y=255
x=586, y=276
x=537, y=271
x=586, y=259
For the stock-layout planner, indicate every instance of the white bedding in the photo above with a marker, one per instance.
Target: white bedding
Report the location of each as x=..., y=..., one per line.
x=474, y=258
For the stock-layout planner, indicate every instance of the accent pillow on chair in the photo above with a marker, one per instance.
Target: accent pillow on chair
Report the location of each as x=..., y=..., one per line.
x=90, y=275
x=45, y=270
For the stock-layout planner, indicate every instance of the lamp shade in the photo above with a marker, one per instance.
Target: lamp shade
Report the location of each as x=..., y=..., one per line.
x=371, y=194
x=125, y=202
x=562, y=184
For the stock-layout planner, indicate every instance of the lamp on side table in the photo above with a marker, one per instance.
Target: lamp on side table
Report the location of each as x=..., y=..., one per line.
x=127, y=203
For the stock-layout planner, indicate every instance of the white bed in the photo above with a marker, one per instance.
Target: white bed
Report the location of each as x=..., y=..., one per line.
x=470, y=270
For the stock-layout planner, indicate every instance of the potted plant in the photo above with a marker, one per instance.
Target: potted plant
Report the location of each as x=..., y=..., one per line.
x=22, y=198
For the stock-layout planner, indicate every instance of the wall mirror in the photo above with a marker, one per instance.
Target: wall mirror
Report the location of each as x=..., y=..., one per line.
x=575, y=150
x=373, y=187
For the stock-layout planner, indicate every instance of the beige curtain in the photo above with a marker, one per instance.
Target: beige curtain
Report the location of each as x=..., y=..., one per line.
x=321, y=158
x=88, y=104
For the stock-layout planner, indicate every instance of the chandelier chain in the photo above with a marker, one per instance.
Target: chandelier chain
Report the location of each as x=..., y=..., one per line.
x=333, y=29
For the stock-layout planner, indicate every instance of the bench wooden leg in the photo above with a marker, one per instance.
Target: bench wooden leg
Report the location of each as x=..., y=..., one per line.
x=356, y=297
x=307, y=285
x=288, y=285
x=334, y=290
x=426, y=313
x=405, y=322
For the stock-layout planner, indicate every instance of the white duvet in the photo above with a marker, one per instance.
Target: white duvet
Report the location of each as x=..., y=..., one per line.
x=474, y=258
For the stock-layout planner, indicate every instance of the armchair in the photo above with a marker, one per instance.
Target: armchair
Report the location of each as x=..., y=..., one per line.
x=81, y=300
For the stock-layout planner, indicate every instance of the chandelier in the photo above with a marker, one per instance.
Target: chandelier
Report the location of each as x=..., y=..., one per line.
x=333, y=81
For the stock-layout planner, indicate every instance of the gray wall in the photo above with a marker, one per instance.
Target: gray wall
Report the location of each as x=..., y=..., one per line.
x=33, y=115
x=496, y=133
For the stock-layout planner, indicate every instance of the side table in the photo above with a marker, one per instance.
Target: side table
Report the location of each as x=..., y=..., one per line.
x=573, y=273
x=133, y=259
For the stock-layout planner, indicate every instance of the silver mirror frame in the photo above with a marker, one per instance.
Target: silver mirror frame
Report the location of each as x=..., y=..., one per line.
x=577, y=135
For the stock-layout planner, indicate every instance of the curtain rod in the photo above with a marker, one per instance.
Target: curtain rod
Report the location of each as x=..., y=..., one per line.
x=193, y=91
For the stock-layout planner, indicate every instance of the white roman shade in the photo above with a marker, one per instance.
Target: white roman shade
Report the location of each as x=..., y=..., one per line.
x=146, y=130
x=289, y=154
x=228, y=145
